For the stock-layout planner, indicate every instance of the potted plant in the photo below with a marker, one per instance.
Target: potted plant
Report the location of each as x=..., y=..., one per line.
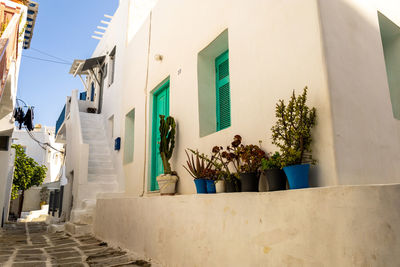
x=168, y=180
x=215, y=179
x=201, y=170
x=292, y=135
x=44, y=196
x=272, y=168
x=221, y=162
x=247, y=161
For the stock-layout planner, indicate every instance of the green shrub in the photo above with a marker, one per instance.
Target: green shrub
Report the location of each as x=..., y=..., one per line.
x=292, y=131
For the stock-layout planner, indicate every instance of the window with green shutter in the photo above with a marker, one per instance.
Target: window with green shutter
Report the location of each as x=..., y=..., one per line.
x=223, y=94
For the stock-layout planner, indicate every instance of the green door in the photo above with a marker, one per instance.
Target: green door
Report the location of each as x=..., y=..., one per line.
x=160, y=107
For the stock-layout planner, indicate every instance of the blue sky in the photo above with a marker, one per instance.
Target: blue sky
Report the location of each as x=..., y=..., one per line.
x=63, y=29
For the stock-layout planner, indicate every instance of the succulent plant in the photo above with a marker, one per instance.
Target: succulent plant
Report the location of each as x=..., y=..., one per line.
x=167, y=143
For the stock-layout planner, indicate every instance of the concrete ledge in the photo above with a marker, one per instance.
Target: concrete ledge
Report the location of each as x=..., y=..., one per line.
x=77, y=229
x=333, y=226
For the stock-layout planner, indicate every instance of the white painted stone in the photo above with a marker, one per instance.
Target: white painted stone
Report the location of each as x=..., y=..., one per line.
x=331, y=226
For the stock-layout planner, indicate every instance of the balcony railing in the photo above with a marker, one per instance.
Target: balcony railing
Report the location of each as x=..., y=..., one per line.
x=60, y=120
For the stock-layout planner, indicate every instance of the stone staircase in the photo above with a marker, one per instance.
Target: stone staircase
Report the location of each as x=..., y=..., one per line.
x=35, y=215
x=101, y=172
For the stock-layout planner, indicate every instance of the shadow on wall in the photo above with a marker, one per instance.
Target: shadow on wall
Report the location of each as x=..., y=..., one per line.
x=365, y=138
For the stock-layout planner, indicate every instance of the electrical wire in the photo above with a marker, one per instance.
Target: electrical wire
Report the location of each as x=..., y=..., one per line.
x=49, y=55
x=20, y=100
x=47, y=60
x=44, y=146
x=41, y=144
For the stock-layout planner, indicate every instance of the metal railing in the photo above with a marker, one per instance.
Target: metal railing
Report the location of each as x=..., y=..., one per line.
x=60, y=120
x=56, y=201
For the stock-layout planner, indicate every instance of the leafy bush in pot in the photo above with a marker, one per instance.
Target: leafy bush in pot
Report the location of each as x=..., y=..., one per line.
x=292, y=131
x=272, y=162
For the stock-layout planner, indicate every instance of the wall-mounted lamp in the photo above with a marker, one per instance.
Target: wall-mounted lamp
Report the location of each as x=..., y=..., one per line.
x=158, y=57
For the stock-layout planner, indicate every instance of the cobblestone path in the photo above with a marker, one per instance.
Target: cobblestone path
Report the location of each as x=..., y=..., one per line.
x=29, y=244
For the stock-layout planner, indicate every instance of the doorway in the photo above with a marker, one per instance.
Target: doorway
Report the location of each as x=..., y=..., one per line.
x=160, y=107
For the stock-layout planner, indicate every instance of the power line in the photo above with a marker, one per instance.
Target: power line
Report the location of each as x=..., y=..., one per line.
x=47, y=54
x=41, y=144
x=48, y=60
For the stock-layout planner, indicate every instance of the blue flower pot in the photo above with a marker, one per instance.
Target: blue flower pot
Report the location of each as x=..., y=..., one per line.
x=201, y=186
x=297, y=176
x=210, y=187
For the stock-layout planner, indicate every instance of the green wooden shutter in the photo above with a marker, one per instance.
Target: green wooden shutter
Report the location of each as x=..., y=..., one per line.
x=223, y=96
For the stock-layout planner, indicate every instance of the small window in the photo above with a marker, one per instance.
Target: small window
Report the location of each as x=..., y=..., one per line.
x=214, y=98
x=4, y=140
x=112, y=67
x=129, y=136
x=390, y=34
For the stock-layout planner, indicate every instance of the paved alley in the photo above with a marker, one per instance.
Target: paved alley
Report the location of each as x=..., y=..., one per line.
x=29, y=244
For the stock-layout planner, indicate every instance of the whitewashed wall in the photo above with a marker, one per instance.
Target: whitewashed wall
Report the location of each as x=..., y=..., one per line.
x=6, y=126
x=266, y=63
x=274, y=48
x=366, y=135
x=332, y=226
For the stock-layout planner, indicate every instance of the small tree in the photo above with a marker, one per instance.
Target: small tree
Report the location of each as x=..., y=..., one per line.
x=167, y=142
x=292, y=131
x=27, y=172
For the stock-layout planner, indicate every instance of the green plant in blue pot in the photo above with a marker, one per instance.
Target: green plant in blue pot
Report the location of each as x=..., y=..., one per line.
x=201, y=169
x=292, y=135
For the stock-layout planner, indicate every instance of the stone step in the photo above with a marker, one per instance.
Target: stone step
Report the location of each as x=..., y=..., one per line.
x=94, y=131
x=96, y=141
x=82, y=216
x=93, y=137
x=89, y=204
x=99, y=150
x=105, y=164
x=100, y=171
x=103, y=178
x=99, y=145
x=92, y=188
x=92, y=120
x=99, y=157
x=90, y=139
x=90, y=125
x=77, y=229
x=90, y=115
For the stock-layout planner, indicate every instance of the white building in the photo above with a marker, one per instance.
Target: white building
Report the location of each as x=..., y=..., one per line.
x=164, y=56
x=42, y=154
x=38, y=145
x=18, y=16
